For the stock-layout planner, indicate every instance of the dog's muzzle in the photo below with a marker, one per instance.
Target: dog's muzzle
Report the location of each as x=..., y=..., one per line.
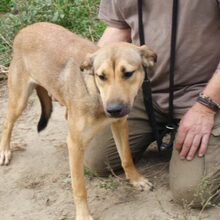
x=117, y=110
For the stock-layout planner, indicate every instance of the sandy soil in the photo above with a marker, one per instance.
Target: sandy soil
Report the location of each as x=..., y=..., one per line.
x=36, y=185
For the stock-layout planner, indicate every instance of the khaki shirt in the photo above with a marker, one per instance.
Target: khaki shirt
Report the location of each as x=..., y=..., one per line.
x=197, y=49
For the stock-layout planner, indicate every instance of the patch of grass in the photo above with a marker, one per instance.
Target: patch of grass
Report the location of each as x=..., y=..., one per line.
x=5, y=6
x=111, y=183
x=89, y=174
x=79, y=16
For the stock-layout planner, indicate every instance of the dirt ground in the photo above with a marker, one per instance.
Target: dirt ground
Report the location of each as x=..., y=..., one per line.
x=36, y=185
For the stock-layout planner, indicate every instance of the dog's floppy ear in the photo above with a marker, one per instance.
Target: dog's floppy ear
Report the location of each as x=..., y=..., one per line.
x=87, y=64
x=149, y=58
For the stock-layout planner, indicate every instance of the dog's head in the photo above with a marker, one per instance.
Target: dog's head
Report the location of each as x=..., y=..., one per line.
x=118, y=72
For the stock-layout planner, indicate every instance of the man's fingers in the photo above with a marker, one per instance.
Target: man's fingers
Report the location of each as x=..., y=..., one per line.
x=194, y=131
x=180, y=137
x=204, y=145
x=195, y=145
x=186, y=145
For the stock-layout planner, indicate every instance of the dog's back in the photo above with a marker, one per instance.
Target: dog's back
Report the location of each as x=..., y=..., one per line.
x=60, y=43
x=47, y=57
x=44, y=49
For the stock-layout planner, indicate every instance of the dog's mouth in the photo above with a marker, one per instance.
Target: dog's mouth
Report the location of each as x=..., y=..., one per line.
x=117, y=110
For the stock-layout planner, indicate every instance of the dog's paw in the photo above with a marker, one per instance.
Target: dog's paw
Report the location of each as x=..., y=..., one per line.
x=142, y=184
x=5, y=157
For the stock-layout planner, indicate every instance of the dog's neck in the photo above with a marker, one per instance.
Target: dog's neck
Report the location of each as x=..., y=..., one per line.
x=81, y=89
x=93, y=94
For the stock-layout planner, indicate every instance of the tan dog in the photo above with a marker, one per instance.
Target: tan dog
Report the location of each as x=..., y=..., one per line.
x=47, y=57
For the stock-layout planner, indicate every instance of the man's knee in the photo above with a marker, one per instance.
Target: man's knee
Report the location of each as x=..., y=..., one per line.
x=97, y=167
x=196, y=195
x=102, y=156
x=191, y=184
x=184, y=178
x=101, y=153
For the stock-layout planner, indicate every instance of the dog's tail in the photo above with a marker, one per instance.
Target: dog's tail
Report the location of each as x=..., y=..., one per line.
x=46, y=107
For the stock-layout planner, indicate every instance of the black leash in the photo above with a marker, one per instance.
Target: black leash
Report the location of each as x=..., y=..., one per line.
x=172, y=60
x=146, y=87
x=171, y=126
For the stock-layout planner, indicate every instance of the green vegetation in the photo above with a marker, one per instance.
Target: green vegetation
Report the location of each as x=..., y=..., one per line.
x=5, y=6
x=80, y=16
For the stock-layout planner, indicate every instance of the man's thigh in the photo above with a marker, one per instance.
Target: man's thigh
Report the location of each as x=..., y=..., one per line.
x=101, y=155
x=198, y=181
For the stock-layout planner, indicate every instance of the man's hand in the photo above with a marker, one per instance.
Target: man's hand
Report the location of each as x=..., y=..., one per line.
x=194, y=132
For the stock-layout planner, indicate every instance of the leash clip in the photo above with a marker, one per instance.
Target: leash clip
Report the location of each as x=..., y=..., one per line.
x=170, y=127
x=168, y=137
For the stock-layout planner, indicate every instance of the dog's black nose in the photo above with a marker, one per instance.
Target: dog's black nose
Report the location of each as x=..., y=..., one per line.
x=116, y=110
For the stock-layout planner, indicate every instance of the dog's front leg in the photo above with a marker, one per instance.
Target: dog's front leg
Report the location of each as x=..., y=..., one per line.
x=120, y=134
x=76, y=154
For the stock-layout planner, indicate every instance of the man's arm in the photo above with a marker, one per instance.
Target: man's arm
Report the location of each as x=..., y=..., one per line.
x=196, y=125
x=112, y=34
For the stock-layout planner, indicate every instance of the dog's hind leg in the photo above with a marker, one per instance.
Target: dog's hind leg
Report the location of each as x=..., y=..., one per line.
x=120, y=134
x=20, y=87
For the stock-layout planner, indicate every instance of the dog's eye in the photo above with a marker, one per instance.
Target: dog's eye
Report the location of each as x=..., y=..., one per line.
x=127, y=75
x=102, y=77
